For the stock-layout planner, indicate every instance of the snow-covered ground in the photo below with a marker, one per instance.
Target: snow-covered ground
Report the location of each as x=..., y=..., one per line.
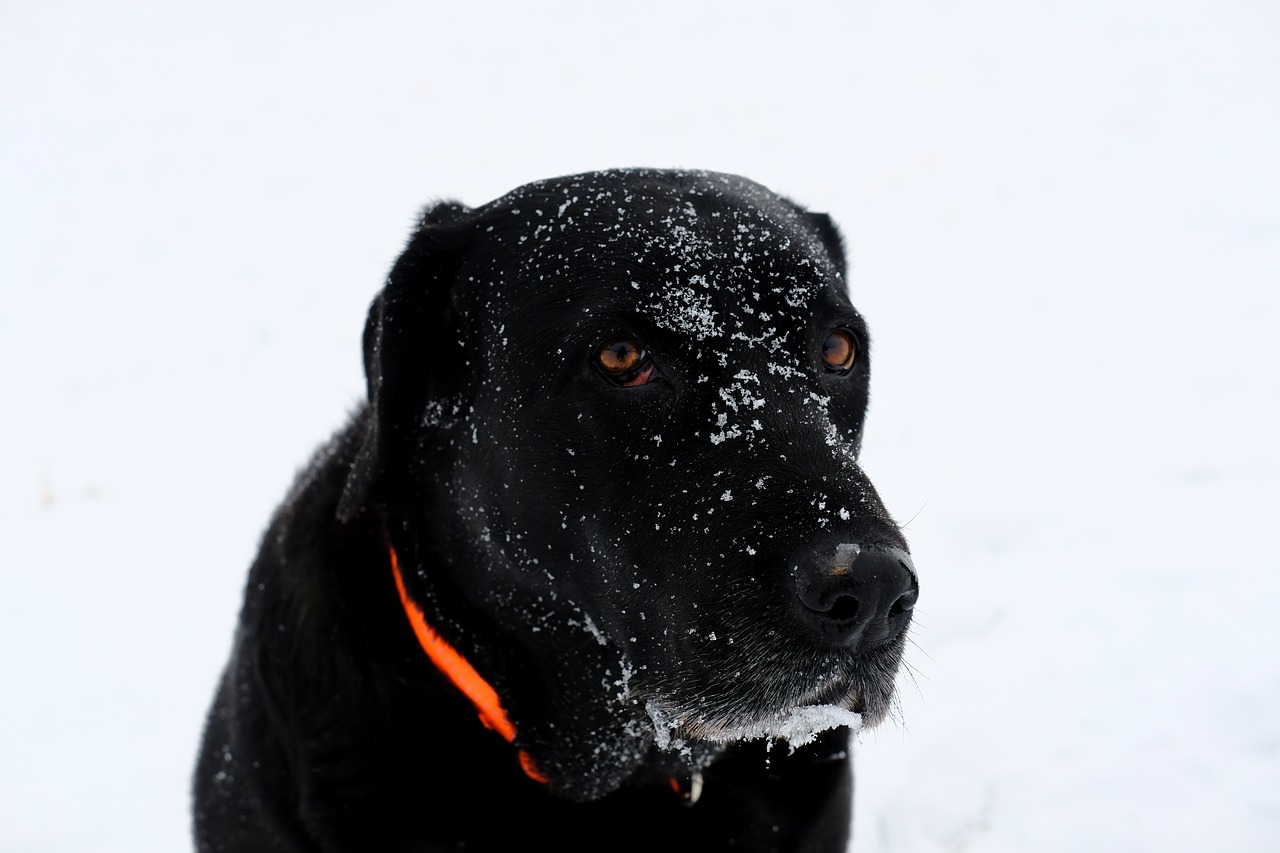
x=1064, y=222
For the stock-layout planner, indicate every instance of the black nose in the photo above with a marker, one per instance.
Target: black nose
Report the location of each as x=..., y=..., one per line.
x=856, y=597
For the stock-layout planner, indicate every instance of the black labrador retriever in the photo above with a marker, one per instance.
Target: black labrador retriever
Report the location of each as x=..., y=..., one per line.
x=595, y=568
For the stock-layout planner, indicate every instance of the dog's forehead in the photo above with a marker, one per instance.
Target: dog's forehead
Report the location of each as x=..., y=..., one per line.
x=690, y=250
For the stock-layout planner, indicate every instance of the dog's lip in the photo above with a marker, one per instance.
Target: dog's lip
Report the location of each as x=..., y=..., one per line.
x=797, y=725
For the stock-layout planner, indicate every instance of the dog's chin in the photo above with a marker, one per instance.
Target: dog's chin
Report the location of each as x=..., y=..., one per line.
x=857, y=701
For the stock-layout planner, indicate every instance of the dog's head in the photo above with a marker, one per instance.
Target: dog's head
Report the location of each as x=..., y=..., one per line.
x=622, y=410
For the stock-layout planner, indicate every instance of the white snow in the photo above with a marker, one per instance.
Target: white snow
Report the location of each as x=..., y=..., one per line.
x=803, y=724
x=795, y=727
x=684, y=309
x=1064, y=230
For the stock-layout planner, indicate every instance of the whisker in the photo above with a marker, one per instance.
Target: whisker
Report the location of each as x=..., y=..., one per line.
x=920, y=649
x=907, y=524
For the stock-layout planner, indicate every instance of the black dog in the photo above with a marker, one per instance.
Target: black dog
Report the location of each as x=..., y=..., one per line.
x=605, y=497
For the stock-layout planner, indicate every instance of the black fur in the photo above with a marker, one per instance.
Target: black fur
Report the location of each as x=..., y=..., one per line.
x=661, y=582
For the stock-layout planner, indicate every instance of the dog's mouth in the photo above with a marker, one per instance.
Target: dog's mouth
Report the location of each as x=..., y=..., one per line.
x=792, y=704
x=797, y=726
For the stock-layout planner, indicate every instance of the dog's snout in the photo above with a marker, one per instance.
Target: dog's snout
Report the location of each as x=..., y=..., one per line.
x=856, y=597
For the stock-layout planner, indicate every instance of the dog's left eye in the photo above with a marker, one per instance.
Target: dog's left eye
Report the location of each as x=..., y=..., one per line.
x=839, y=351
x=623, y=360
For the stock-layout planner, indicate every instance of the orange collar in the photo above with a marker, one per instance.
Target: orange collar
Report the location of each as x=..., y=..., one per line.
x=463, y=675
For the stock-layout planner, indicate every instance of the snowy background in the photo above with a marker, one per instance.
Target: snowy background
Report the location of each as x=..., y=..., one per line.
x=1064, y=223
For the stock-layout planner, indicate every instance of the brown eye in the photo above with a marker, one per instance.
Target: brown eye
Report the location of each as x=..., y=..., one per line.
x=839, y=351
x=624, y=361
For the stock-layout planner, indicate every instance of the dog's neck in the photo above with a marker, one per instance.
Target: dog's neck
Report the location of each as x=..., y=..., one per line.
x=454, y=666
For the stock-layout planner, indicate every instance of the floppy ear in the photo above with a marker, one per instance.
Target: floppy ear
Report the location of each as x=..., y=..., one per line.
x=410, y=348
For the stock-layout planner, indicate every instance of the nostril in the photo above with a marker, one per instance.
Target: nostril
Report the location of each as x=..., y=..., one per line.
x=905, y=602
x=844, y=607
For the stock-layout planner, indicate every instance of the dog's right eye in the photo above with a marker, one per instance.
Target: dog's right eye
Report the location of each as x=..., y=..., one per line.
x=624, y=361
